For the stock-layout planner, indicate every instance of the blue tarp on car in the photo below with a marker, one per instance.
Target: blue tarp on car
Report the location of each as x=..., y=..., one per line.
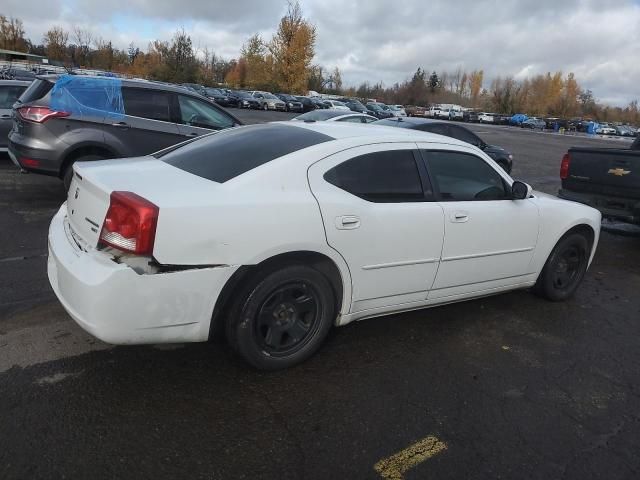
x=518, y=118
x=88, y=96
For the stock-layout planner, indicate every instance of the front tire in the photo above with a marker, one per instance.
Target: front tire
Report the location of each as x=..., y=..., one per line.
x=281, y=317
x=565, y=268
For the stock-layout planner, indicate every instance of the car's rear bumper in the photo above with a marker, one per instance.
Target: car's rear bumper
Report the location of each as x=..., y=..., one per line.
x=620, y=208
x=40, y=160
x=116, y=304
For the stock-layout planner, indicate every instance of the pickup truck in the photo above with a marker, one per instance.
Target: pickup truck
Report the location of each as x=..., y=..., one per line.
x=604, y=178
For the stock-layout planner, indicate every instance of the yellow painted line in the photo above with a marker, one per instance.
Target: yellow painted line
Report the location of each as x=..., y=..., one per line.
x=394, y=467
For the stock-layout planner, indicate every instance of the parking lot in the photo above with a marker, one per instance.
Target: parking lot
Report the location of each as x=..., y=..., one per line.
x=510, y=386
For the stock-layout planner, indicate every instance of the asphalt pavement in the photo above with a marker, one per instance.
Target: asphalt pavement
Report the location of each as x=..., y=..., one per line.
x=510, y=386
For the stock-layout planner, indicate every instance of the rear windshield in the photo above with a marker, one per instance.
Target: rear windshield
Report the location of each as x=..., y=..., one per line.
x=225, y=155
x=38, y=89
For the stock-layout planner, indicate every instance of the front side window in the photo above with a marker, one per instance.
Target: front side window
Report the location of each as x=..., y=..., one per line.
x=464, y=177
x=197, y=113
x=151, y=104
x=381, y=177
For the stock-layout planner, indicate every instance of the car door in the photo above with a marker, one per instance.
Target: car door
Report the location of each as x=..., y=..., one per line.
x=8, y=95
x=490, y=239
x=379, y=214
x=197, y=117
x=146, y=126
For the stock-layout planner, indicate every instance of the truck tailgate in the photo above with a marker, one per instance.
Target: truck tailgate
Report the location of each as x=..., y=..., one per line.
x=605, y=171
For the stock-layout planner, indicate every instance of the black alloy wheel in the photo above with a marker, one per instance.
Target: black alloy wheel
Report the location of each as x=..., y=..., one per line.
x=565, y=268
x=287, y=318
x=281, y=317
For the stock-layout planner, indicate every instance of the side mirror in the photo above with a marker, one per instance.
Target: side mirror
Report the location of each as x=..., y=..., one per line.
x=520, y=190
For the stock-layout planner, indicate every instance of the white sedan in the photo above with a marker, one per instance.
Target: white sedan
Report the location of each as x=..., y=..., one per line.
x=336, y=105
x=334, y=116
x=274, y=233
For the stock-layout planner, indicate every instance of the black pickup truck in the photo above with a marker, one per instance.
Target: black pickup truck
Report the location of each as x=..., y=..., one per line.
x=604, y=178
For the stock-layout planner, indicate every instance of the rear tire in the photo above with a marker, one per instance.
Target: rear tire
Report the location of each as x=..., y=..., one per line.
x=565, y=268
x=281, y=317
x=68, y=173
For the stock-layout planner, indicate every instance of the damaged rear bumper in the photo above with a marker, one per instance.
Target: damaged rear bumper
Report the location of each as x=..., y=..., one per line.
x=118, y=305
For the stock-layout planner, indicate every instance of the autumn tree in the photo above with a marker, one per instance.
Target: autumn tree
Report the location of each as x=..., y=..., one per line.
x=55, y=41
x=12, y=34
x=293, y=49
x=474, y=81
x=83, y=39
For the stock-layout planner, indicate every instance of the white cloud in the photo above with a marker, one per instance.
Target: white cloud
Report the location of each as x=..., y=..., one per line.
x=378, y=40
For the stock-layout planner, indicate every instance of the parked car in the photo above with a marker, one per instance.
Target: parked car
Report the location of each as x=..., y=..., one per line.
x=308, y=104
x=336, y=105
x=397, y=110
x=246, y=100
x=501, y=156
x=605, y=129
x=433, y=111
x=268, y=101
x=456, y=114
x=415, y=111
x=518, y=118
x=605, y=178
x=626, y=131
x=354, y=105
x=10, y=90
x=331, y=115
x=199, y=89
x=533, y=124
x=470, y=116
x=486, y=117
x=13, y=73
x=85, y=118
x=220, y=97
x=292, y=104
x=262, y=234
x=375, y=109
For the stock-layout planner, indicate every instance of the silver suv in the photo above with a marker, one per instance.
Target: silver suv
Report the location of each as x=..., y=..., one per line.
x=60, y=120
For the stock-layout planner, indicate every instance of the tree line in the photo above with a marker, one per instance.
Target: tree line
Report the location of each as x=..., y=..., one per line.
x=284, y=63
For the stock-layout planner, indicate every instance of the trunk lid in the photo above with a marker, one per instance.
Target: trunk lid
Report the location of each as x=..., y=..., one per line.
x=605, y=171
x=162, y=184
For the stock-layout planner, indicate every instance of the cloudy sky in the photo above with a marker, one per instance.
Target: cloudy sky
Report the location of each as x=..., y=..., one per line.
x=378, y=40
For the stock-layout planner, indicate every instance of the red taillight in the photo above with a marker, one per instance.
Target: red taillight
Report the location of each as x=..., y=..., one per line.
x=40, y=114
x=564, y=166
x=29, y=162
x=130, y=223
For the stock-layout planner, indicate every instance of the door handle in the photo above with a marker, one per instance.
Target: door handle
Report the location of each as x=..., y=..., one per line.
x=120, y=124
x=347, y=222
x=459, y=217
x=5, y=116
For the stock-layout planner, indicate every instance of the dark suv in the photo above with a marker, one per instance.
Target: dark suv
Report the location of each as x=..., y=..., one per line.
x=60, y=120
x=10, y=91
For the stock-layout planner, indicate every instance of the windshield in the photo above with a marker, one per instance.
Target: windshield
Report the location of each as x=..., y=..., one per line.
x=270, y=96
x=374, y=106
x=214, y=91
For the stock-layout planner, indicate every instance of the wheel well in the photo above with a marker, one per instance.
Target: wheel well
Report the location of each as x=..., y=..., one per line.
x=320, y=262
x=82, y=151
x=585, y=230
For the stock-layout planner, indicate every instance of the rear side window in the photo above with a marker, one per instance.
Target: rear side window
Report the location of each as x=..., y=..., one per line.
x=151, y=104
x=464, y=177
x=9, y=94
x=465, y=135
x=381, y=177
x=439, y=128
x=38, y=89
x=229, y=153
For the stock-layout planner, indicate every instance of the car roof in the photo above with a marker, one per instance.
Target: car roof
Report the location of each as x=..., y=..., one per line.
x=130, y=82
x=379, y=133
